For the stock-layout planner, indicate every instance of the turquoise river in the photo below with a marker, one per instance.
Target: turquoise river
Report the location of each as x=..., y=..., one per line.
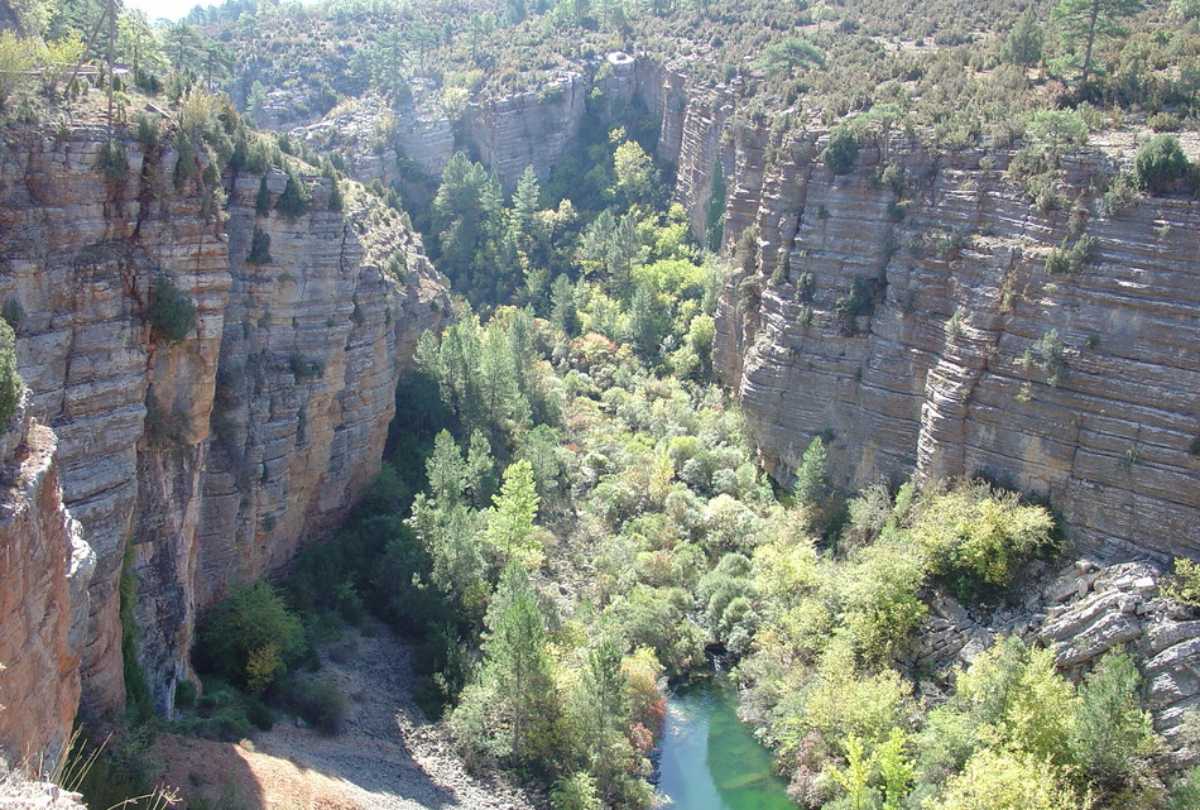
x=709, y=760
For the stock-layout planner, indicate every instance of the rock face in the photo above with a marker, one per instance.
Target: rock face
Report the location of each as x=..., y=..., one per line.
x=206, y=461
x=1081, y=613
x=928, y=336
x=379, y=142
x=45, y=566
x=528, y=129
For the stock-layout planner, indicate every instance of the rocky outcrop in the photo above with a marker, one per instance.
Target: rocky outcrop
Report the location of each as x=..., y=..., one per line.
x=45, y=566
x=918, y=329
x=533, y=128
x=1081, y=613
x=383, y=143
x=211, y=458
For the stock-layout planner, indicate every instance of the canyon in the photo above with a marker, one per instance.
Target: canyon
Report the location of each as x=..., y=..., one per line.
x=907, y=326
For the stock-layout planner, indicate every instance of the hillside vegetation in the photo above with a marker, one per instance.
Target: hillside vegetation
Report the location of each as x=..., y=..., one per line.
x=571, y=519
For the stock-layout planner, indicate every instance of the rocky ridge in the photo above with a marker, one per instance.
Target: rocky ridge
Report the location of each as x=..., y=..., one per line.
x=210, y=459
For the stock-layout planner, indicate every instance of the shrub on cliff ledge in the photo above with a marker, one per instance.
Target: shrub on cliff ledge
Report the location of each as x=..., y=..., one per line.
x=172, y=313
x=841, y=153
x=10, y=380
x=1161, y=162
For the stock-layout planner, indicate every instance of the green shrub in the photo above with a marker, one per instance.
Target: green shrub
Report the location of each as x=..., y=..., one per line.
x=1160, y=163
x=320, y=703
x=185, y=695
x=113, y=162
x=1164, y=122
x=1070, y=259
x=147, y=131
x=1184, y=584
x=1111, y=731
x=260, y=247
x=576, y=792
x=14, y=313
x=262, y=201
x=841, y=153
x=10, y=380
x=979, y=533
x=172, y=313
x=251, y=638
x=296, y=197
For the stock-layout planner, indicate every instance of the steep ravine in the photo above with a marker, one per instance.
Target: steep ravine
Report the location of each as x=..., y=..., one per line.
x=905, y=385
x=216, y=456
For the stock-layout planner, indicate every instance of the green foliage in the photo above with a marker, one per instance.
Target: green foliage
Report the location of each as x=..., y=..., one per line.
x=576, y=792
x=137, y=692
x=262, y=201
x=11, y=384
x=510, y=524
x=113, y=162
x=260, y=247
x=172, y=314
x=1000, y=780
x=320, y=703
x=782, y=57
x=1023, y=45
x=979, y=536
x=1184, y=584
x=296, y=196
x=250, y=638
x=512, y=708
x=841, y=153
x=1160, y=163
x=1111, y=730
x=1083, y=23
x=812, y=485
x=634, y=171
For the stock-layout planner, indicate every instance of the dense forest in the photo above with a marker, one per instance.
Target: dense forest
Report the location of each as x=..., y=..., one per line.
x=571, y=520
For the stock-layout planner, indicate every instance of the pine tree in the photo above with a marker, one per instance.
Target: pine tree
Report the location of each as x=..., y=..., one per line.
x=812, y=479
x=1083, y=22
x=510, y=528
x=562, y=305
x=1024, y=43
x=294, y=200
x=517, y=661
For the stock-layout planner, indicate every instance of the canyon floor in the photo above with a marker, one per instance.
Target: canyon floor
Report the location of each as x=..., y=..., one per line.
x=388, y=756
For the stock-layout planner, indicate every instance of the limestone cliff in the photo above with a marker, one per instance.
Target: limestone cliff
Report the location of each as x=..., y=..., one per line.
x=45, y=566
x=932, y=338
x=212, y=457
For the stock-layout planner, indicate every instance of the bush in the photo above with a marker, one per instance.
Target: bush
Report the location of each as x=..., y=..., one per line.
x=1184, y=584
x=980, y=534
x=1111, y=730
x=320, y=703
x=576, y=792
x=185, y=695
x=10, y=379
x=841, y=153
x=295, y=199
x=260, y=247
x=251, y=638
x=999, y=780
x=172, y=313
x=1160, y=163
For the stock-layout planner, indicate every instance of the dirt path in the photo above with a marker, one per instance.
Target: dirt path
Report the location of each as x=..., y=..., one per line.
x=388, y=756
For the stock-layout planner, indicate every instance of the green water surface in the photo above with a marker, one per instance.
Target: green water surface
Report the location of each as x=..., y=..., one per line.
x=709, y=759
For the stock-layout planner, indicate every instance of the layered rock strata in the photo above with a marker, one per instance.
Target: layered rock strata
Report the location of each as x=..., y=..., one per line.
x=199, y=463
x=918, y=330
x=45, y=566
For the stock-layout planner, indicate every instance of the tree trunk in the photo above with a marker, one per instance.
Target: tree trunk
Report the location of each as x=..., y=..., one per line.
x=1091, y=39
